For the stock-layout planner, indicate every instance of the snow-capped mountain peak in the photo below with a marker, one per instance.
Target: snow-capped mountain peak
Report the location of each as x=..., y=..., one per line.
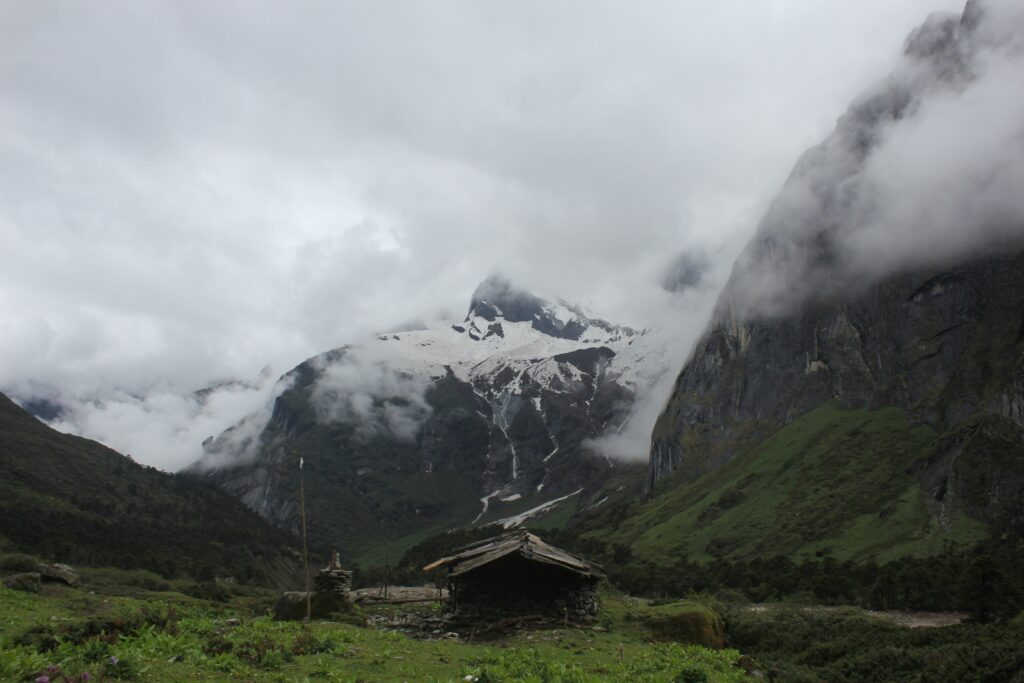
x=496, y=299
x=504, y=405
x=508, y=332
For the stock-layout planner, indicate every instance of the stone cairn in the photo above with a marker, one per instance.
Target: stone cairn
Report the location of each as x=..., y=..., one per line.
x=332, y=578
x=328, y=599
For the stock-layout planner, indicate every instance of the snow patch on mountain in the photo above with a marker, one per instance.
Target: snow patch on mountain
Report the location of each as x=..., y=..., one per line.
x=523, y=350
x=517, y=520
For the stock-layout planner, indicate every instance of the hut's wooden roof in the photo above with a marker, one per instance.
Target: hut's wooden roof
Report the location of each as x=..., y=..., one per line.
x=523, y=543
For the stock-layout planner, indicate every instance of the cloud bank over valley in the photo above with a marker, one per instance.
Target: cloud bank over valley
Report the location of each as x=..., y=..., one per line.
x=192, y=192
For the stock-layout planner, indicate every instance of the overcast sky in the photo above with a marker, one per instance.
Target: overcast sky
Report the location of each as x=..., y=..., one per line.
x=192, y=191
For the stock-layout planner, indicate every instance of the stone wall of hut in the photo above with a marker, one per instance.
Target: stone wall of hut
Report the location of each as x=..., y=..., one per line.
x=515, y=587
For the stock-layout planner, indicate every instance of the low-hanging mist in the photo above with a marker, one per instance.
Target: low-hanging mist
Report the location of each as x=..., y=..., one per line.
x=186, y=197
x=169, y=429
x=924, y=168
x=362, y=388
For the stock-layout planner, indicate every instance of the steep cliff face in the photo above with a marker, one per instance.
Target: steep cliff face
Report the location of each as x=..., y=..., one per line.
x=944, y=345
x=801, y=323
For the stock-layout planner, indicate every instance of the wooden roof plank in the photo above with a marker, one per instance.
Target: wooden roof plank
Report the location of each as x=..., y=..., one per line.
x=526, y=544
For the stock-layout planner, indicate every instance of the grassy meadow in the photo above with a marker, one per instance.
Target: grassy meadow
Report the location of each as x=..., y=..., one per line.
x=135, y=626
x=115, y=629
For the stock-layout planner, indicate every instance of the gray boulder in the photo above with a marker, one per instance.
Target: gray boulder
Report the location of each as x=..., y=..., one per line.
x=29, y=582
x=291, y=606
x=59, y=573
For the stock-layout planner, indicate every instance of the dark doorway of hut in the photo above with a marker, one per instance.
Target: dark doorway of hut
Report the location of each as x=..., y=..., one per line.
x=517, y=579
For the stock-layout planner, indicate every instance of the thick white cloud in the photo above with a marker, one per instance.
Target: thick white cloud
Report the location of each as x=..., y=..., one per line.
x=949, y=180
x=925, y=168
x=192, y=190
x=361, y=388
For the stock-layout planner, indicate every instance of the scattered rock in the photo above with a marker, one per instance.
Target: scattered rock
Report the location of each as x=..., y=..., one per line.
x=29, y=582
x=59, y=573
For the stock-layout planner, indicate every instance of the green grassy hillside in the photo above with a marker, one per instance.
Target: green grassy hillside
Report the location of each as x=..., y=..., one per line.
x=835, y=482
x=70, y=499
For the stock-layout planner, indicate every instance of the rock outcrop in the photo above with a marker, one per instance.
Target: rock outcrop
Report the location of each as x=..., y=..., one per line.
x=59, y=573
x=27, y=582
x=291, y=606
x=800, y=323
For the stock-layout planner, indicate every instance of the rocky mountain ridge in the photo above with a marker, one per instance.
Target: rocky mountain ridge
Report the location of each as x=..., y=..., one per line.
x=491, y=418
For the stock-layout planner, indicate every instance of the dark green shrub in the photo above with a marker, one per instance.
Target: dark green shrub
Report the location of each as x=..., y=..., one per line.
x=119, y=669
x=691, y=674
x=209, y=590
x=17, y=563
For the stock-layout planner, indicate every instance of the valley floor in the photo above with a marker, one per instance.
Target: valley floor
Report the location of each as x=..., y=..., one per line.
x=119, y=628
x=172, y=637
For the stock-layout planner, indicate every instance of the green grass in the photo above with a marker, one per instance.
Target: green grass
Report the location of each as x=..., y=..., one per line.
x=389, y=551
x=557, y=517
x=173, y=637
x=833, y=482
x=167, y=636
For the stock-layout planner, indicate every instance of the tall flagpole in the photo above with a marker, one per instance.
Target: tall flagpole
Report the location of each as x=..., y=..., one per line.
x=305, y=548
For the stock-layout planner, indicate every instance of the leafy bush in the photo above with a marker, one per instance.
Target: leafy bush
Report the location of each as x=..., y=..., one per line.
x=16, y=563
x=691, y=674
x=815, y=644
x=209, y=590
x=55, y=674
x=119, y=669
x=309, y=643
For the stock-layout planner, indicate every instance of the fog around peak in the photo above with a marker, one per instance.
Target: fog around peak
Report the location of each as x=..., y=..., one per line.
x=192, y=191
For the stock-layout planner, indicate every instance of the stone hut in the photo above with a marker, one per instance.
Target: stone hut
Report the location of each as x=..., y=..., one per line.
x=518, y=575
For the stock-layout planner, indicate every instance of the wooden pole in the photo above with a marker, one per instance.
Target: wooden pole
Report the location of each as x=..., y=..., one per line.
x=305, y=545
